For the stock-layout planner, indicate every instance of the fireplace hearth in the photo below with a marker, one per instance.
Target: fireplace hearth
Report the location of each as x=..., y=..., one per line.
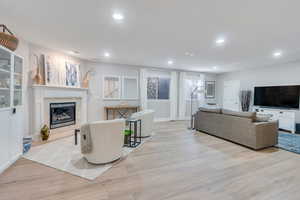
x=62, y=114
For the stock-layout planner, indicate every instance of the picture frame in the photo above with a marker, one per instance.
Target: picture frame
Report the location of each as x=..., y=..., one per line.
x=72, y=73
x=52, y=71
x=130, y=90
x=210, y=89
x=110, y=90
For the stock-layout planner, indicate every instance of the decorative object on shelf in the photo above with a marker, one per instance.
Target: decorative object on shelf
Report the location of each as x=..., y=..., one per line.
x=38, y=79
x=8, y=40
x=58, y=71
x=72, y=75
x=210, y=89
x=45, y=133
x=245, y=98
x=52, y=70
x=86, y=79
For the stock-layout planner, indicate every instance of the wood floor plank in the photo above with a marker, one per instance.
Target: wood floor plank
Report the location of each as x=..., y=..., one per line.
x=175, y=164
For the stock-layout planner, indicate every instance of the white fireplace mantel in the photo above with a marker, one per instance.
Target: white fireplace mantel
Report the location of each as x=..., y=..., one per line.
x=43, y=95
x=58, y=87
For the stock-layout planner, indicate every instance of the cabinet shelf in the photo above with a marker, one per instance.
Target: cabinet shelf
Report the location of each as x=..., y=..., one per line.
x=5, y=89
x=4, y=70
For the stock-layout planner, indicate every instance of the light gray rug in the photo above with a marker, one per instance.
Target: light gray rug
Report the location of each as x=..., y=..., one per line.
x=65, y=156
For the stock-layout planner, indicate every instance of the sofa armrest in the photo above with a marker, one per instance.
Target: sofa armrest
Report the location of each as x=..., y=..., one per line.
x=266, y=133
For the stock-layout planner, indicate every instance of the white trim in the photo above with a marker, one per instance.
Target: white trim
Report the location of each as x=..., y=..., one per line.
x=173, y=95
x=157, y=100
x=5, y=109
x=58, y=87
x=162, y=119
x=9, y=163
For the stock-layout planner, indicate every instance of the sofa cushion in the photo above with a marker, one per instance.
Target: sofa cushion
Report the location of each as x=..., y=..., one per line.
x=263, y=117
x=211, y=110
x=250, y=115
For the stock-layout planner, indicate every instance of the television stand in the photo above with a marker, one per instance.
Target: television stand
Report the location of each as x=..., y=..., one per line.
x=286, y=118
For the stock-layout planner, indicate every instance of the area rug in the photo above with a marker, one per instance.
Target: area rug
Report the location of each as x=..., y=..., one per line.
x=289, y=141
x=65, y=156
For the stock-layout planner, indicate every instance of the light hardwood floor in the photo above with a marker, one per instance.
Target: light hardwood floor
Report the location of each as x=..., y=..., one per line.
x=176, y=164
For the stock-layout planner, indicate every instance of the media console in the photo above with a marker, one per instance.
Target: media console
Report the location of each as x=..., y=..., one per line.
x=286, y=118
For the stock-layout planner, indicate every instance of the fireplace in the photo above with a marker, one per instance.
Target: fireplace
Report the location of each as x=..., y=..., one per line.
x=62, y=114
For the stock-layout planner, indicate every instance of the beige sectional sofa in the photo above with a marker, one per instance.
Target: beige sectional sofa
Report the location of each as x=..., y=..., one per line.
x=238, y=127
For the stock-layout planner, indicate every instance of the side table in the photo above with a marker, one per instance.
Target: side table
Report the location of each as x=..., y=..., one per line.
x=135, y=139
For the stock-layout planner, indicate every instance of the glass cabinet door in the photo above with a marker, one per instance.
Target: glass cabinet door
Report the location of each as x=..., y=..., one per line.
x=5, y=78
x=18, y=71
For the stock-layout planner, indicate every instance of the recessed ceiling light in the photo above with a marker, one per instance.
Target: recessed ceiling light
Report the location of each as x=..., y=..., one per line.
x=170, y=62
x=215, y=67
x=220, y=41
x=189, y=54
x=118, y=16
x=277, y=54
x=106, y=54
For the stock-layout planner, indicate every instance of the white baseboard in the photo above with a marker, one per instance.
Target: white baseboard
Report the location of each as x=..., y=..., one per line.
x=162, y=119
x=185, y=119
x=168, y=119
x=9, y=163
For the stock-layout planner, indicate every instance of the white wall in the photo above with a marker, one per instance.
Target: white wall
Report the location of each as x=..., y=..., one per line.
x=96, y=103
x=32, y=67
x=196, y=104
x=285, y=74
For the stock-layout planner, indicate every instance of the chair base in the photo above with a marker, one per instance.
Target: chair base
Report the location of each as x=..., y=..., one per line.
x=94, y=163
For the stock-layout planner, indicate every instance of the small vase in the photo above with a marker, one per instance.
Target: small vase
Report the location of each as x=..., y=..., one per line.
x=38, y=79
x=45, y=133
x=86, y=80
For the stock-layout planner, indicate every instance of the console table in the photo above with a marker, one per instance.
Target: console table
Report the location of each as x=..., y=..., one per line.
x=121, y=111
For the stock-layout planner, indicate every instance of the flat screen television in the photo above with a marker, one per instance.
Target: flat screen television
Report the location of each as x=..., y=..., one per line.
x=277, y=96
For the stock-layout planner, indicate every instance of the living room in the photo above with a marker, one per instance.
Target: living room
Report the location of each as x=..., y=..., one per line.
x=149, y=100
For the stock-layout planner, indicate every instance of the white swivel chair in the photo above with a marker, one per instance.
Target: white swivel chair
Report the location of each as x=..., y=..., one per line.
x=147, y=118
x=107, y=141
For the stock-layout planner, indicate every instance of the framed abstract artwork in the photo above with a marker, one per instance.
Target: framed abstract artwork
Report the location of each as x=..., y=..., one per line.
x=52, y=72
x=72, y=75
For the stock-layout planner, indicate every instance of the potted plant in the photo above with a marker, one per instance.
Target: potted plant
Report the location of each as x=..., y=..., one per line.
x=127, y=135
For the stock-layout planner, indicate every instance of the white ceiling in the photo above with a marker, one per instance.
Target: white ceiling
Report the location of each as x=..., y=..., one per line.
x=154, y=31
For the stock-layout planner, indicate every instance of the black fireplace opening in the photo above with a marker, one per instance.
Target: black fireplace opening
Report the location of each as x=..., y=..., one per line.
x=62, y=114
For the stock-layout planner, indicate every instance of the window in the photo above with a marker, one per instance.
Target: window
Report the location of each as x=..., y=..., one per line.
x=190, y=86
x=158, y=88
x=111, y=87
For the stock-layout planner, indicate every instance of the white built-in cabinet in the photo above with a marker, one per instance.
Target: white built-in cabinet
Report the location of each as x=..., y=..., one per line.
x=286, y=118
x=11, y=107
